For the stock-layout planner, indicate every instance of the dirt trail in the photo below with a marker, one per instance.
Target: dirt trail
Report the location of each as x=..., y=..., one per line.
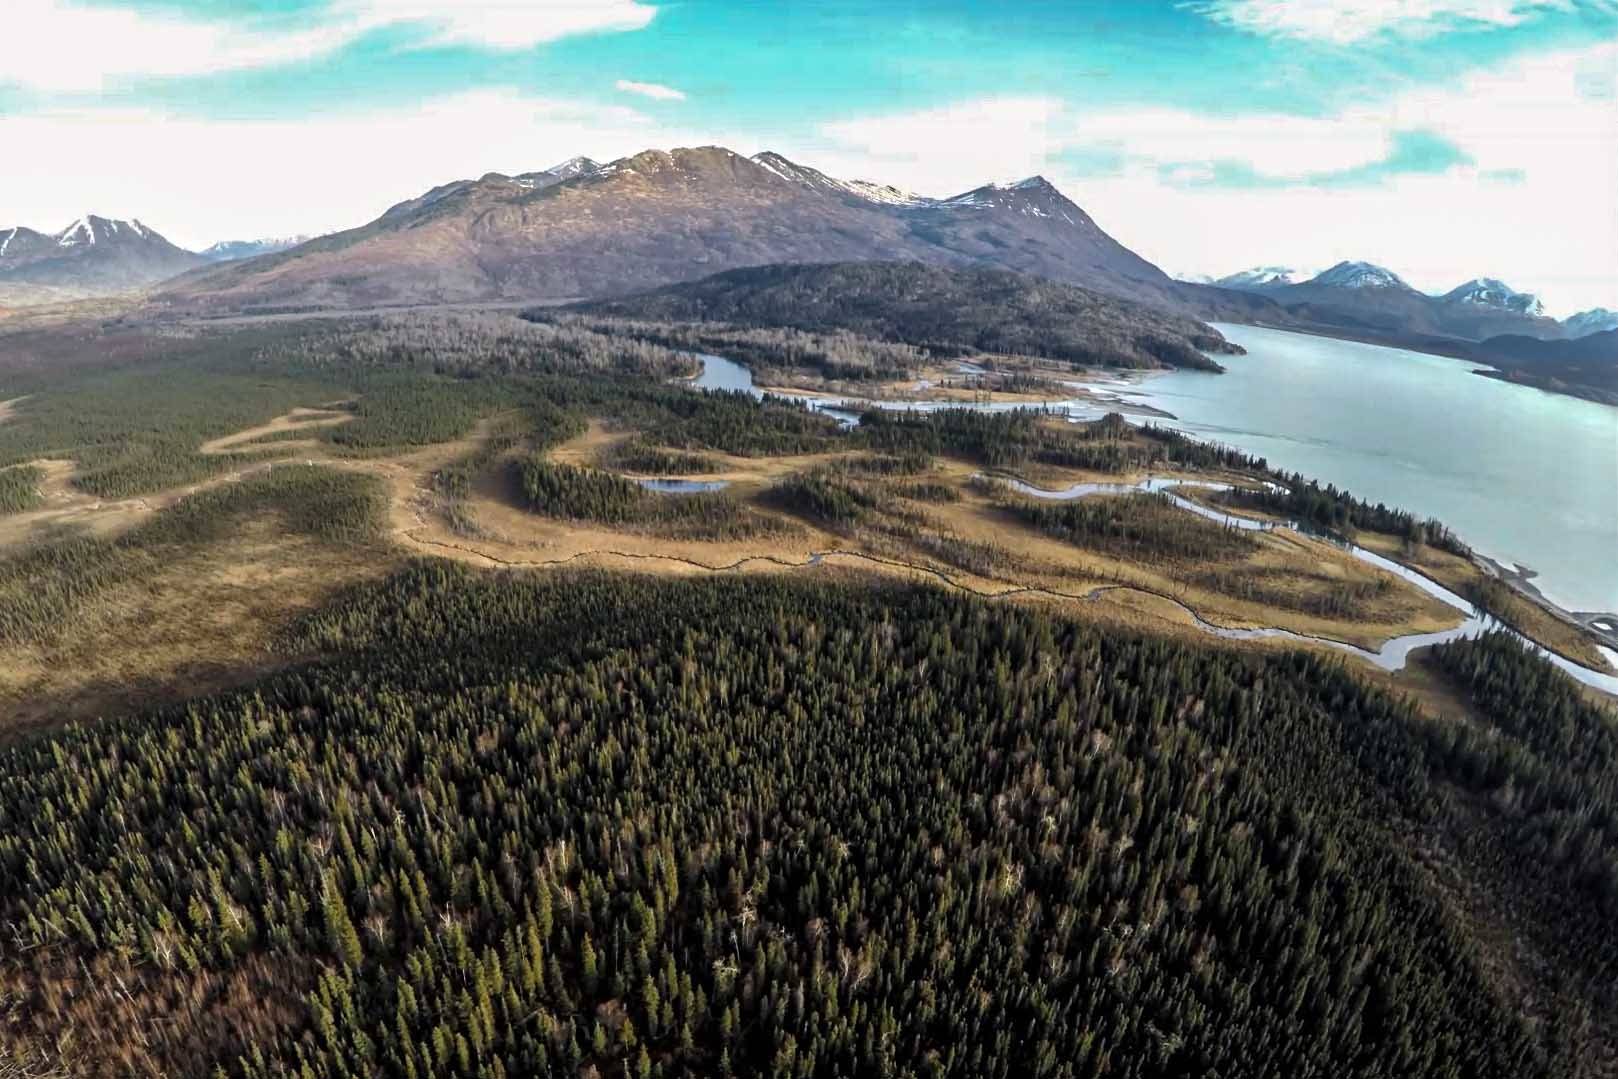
x=299, y=419
x=8, y=409
x=514, y=537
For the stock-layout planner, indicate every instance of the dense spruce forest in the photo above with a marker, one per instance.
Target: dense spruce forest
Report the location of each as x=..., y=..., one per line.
x=19, y=488
x=572, y=493
x=947, y=312
x=615, y=825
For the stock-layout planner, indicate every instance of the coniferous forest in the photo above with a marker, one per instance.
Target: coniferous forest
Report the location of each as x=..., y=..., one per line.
x=612, y=825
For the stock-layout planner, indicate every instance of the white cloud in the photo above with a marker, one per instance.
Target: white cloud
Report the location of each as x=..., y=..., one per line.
x=655, y=91
x=63, y=45
x=506, y=24
x=198, y=181
x=1549, y=121
x=949, y=149
x=56, y=45
x=1344, y=22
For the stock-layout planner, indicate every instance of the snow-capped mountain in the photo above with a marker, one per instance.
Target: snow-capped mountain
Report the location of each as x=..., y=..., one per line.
x=1359, y=275
x=579, y=229
x=1595, y=320
x=864, y=190
x=230, y=250
x=1492, y=292
x=94, y=256
x=1259, y=278
x=574, y=166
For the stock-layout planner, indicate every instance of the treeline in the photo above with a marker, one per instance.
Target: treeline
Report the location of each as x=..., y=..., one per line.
x=476, y=344
x=776, y=355
x=641, y=454
x=1327, y=507
x=1550, y=756
x=1013, y=438
x=942, y=310
x=589, y=494
x=1141, y=527
x=44, y=586
x=19, y=488
x=611, y=825
x=823, y=496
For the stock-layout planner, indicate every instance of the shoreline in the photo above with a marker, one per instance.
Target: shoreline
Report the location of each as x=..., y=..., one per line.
x=1518, y=577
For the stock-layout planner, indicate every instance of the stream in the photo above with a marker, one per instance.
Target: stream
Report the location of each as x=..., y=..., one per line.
x=719, y=373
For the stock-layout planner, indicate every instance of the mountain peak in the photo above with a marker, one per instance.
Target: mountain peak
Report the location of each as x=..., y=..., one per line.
x=574, y=166
x=665, y=215
x=864, y=190
x=93, y=229
x=1360, y=275
x=1259, y=277
x=233, y=250
x=1492, y=292
x=1595, y=320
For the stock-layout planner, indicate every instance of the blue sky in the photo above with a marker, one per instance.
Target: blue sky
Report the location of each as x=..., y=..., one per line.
x=1447, y=138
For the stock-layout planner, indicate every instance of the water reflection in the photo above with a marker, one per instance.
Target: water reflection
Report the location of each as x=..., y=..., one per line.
x=683, y=487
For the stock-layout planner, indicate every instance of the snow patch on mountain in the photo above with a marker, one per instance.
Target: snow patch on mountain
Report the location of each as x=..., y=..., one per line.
x=1260, y=277
x=1360, y=275
x=864, y=190
x=1595, y=320
x=1494, y=293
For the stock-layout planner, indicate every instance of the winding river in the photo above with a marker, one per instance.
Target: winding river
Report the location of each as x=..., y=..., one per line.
x=719, y=373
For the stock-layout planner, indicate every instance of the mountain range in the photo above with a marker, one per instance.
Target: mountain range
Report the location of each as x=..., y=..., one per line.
x=102, y=256
x=1364, y=298
x=231, y=250
x=93, y=256
x=584, y=229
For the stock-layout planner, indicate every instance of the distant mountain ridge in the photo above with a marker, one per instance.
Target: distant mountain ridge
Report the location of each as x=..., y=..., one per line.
x=1257, y=278
x=583, y=229
x=1585, y=323
x=1364, y=298
x=92, y=256
x=231, y=250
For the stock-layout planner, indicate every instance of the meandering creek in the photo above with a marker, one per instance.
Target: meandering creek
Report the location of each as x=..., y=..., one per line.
x=719, y=373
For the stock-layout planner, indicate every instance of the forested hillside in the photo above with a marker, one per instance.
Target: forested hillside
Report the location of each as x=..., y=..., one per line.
x=945, y=311
x=614, y=825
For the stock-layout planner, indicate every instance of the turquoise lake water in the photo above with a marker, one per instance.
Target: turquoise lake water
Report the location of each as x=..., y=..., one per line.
x=1523, y=476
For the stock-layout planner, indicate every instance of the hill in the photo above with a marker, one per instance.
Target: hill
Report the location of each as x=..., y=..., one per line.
x=585, y=230
x=947, y=311
x=1585, y=367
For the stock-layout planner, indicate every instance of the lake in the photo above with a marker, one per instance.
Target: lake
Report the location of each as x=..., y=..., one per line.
x=1523, y=476
x=1526, y=477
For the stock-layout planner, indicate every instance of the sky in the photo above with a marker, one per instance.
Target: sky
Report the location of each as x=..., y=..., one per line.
x=1444, y=139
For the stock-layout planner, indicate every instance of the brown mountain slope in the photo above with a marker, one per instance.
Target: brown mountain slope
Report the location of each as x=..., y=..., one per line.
x=661, y=217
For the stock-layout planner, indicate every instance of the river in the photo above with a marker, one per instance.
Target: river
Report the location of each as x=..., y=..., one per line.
x=1367, y=389
x=1525, y=477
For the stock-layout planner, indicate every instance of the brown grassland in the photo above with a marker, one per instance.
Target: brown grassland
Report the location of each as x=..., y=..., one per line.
x=211, y=617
